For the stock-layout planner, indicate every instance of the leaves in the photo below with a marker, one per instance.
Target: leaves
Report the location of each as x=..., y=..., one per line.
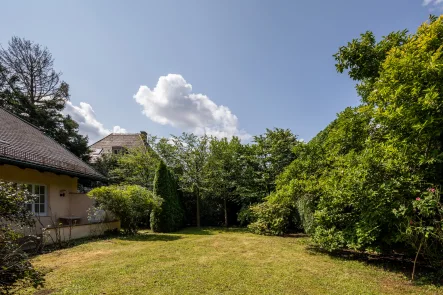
x=14, y=261
x=131, y=204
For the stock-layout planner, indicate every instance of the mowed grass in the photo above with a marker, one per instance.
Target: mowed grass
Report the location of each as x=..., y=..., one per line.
x=212, y=261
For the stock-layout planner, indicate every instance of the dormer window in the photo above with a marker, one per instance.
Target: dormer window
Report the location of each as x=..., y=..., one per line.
x=118, y=150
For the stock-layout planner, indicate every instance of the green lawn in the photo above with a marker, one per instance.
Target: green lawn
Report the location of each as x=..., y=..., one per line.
x=212, y=261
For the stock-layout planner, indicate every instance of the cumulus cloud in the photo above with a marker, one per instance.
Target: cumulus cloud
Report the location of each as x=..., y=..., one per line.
x=172, y=102
x=433, y=4
x=84, y=115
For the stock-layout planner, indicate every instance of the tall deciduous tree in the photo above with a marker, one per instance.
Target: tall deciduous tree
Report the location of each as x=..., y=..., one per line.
x=136, y=167
x=224, y=170
x=31, y=89
x=273, y=152
x=192, y=155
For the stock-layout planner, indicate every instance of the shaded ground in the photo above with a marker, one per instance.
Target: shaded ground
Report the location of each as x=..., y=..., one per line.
x=213, y=261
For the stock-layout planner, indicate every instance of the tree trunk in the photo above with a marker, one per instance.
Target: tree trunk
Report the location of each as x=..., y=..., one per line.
x=415, y=260
x=198, y=208
x=226, y=212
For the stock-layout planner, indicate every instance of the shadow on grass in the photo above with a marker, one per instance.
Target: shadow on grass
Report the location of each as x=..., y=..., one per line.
x=296, y=235
x=397, y=263
x=68, y=244
x=206, y=231
x=143, y=237
x=196, y=231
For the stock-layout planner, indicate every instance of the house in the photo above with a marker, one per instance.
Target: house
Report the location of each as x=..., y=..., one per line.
x=28, y=156
x=117, y=143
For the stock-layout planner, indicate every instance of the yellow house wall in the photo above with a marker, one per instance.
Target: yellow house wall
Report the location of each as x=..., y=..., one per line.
x=79, y=231
x=69, y=205
x=79, y=205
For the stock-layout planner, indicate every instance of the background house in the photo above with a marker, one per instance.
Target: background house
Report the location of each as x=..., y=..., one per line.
x=28, y=156
x=116, y=143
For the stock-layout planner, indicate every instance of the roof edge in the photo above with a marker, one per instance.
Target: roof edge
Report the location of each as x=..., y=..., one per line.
x=38, y=129
x=39, y=167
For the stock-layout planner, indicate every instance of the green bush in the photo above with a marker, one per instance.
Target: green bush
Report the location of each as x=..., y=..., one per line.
x=245, y=216
x=271, y=219
x=131, y=204
x=170, y=215
x=422, y=226
x=14, y=262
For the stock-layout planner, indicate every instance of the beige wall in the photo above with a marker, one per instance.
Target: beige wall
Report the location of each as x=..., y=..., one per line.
x=79, y=231
x=79, y=205
x=72, y=204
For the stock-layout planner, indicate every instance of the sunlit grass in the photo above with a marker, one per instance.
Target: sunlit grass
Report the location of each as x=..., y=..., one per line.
x=212, y=261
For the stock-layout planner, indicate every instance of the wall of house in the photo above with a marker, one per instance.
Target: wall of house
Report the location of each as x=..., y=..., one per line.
x=57, y=206
x=79, y=205
x=67, y=233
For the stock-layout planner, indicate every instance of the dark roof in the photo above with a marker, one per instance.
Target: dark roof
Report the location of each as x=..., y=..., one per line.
x=22, y=144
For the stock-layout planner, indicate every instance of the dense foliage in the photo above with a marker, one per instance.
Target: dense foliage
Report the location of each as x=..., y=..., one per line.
x=270, y=218
x=217, y=178
x=369, y=180
x=170, y=215
x=224, y=168
x=14, y=262
x=131, y=204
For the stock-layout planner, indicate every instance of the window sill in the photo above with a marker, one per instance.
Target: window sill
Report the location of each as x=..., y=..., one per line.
x=41, y=215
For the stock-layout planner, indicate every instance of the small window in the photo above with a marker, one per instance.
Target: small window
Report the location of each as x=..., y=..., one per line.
x=40, y=199
x=118, y=150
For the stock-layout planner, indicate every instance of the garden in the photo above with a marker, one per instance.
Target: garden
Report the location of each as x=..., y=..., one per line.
x=215, y=261
x=356, y=210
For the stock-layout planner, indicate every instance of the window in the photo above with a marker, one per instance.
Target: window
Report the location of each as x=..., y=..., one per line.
x=118, y=150
x=96, y=152
x=40, y=201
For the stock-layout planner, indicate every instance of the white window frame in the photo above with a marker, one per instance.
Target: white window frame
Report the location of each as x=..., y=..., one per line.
x=34, y=185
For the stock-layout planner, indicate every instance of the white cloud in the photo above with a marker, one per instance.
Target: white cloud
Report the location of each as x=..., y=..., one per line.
x=172, y=102
x=118, y=129
x=434, y=4
x=84, y=115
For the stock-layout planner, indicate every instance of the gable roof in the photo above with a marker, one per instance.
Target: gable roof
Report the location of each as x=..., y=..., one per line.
x=22, y=144
x=126, y=140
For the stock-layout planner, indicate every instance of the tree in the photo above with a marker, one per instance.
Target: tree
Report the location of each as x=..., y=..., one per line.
x=192, y=155
x=364, y=57
x=224, y=170
x=137, y=167
x=167, y=151
x=273, y=152
x=169, y=216
x=69, y=137
x=372, y=176
x=31, y=89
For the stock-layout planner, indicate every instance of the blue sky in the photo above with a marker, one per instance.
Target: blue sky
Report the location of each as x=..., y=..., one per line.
x=252, y=64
